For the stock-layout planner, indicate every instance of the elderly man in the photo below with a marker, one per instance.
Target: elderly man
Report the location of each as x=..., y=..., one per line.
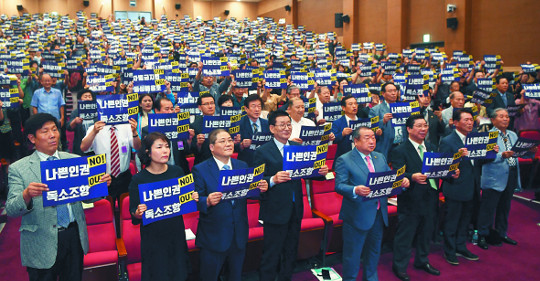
x=500, y=176
x=362, y=220
x=53, y=239
x=457, y=100
x=392, y=135
x=208, y=83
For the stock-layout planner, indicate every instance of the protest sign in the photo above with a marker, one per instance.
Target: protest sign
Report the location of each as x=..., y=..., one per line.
x=372, y=123
x=174, y=125
x=358, y=91
x=311, y=135
x=275, y=79
x=523, y=146
x=87, y=109
x=240, y=183
x=440, y=165
x=9, y=97
x=480, y=145
x=229, y=123
x=532, y=91
x=74, y=179
x=304, y=161
x=117, y=109
x=403, y=110
x=167, y=199
x=384, y=184
x=259, y=139
x=332, y=111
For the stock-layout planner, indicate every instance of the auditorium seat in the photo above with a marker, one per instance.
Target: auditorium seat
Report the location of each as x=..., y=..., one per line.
x=326, y=202
x=131, y=237
x=101, y=261
x=254, y=247
x=234, y=155
x=533, y=163
x=191, y=162
x=191, y=221
x=132, y=167
x=312, y=230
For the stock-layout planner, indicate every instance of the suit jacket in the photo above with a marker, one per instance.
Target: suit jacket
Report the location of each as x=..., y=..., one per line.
x=495, y=172
x=351, y=170
x=384, y=141
x=462, y=188
x=246, y=132
x=204, y=153
x=499, y=103
x=219, y=224
x=436, y=128
x=344, y=144
x=276, y=203
x=179, y=155
x=39, y=229
x=414, y=198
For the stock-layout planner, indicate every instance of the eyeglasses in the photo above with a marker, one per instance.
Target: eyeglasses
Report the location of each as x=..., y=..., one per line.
x=284, y=125
x=227, y=141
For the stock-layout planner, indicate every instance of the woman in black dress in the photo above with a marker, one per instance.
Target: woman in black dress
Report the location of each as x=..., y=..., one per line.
x=163, y=243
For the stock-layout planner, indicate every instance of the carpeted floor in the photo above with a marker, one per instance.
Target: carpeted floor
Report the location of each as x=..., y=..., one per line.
x=506, y=263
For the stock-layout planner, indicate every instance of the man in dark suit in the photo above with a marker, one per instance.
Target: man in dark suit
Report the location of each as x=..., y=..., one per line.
x=200, y=148
x=459, y=193
x=417, y=206
x=433, y=120
x=251, y=124
x=503, y=98
x=222, y=233
x=362, y=220
x=282, y=205
x=341, y=127
x=53, y=239
x=179, y=149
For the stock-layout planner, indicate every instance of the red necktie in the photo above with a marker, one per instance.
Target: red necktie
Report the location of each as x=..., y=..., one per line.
x=115, y=154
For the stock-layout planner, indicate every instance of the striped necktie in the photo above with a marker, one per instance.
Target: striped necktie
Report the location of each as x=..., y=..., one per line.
x=115, y=154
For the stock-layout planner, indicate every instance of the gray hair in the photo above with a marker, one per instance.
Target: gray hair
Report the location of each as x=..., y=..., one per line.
x=496, y=112
x=356, y=133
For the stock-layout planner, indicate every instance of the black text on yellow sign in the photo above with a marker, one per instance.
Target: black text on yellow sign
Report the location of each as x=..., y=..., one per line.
x=132, y=97
x=319, y=164
x=185, y=180
x=453, y=167
x=184, y=198
x=133, y=110
x=96, y=160
x=183, y=115
x=254, y=185
x=182, y=128
x=234, y=130
x=259, y=170
x=322, y=148
x=493, y=135
x=93, y=180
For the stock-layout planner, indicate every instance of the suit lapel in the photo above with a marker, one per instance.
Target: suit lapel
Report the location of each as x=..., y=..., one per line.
x=357, y=159
x=35, y=167
x=213, y=166
x=414, y=153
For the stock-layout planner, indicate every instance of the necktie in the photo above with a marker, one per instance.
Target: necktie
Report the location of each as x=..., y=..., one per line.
x=227, y=167
x=255, y=128
x=431, y=181
x=510, y=160
x=372, y=170
x=62, y=212
x=115, y=154
x=369, y=165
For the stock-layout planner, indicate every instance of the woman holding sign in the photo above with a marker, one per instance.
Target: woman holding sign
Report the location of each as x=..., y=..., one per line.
x=163, y=243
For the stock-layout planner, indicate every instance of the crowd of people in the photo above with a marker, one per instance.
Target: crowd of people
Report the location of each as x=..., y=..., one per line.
x=49, y=60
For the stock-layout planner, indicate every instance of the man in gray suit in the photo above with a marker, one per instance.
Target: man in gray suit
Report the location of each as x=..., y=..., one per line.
x=53, y=239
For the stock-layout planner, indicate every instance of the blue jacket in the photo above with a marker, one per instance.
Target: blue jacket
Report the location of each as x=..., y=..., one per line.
x=384, y=141
x=495, y=173
x=219, y=224
x=351, y=170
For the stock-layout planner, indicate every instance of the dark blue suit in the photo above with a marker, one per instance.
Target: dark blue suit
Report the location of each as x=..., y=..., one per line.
x=344, y=144
x=362, y=222
x=281, y=216
x=222, y=232
x=459, y=194
x=246, y=132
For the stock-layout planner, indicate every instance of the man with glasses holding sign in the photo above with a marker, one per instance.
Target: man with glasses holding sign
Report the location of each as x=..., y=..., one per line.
x=282, y=205
x=222, y=233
